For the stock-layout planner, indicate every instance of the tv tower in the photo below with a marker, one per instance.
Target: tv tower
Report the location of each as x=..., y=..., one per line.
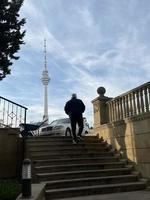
x=45, y=80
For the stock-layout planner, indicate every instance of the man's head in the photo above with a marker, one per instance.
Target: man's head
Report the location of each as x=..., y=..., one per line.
x=73, y=96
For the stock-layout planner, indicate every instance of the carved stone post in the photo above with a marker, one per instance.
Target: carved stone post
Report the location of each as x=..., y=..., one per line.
x=101, y=112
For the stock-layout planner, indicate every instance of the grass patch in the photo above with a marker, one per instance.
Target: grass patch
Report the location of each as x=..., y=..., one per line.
x=9, y=189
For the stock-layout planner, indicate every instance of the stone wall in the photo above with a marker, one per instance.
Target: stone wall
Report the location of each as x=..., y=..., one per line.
x=131, y=138
x=9, y=154
x=130, y=135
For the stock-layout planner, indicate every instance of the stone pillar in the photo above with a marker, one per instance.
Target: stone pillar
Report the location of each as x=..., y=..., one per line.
x=101, y=112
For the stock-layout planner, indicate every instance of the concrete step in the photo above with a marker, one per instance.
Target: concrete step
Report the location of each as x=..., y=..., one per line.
x=90, y=190
x=73, y=154
x=83, y=173
x=67, y=145
x=70, y=150
x=131, y=195
x=79, y=167
x=62, y=142
x=87, y=168
x=75, y=160
x=60, y=138
x=90, y=181
x=67, y=148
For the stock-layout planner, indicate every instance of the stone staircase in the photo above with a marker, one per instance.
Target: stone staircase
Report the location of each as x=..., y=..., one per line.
x=88, y=168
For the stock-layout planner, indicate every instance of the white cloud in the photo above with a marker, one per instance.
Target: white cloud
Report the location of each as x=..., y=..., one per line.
x=29, y=9
x=98, y=43
x=86, y=16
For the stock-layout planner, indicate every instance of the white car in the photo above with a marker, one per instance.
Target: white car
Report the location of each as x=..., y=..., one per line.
x=61, y=127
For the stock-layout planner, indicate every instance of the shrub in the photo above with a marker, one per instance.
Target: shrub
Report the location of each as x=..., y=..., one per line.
x=9, y=189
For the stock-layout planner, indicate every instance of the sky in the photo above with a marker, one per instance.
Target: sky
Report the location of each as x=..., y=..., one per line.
x=90, y=43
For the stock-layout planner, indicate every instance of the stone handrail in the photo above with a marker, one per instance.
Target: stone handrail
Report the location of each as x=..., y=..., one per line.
x=131, y=103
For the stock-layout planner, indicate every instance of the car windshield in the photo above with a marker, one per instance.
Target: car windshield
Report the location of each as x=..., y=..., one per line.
x=60, y=121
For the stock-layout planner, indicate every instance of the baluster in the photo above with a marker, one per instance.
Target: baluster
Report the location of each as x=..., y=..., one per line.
x=131, y=104
x=127, y=106
x=149, y=97
x=121, y=108
x=113, y=115
x=20, y=117
x=116, y=115
x=124, y=107
x=134, y=104
x=146, y=99
x=110, y=111
x=12, y=115
x=116, y=110
x=113, y=109
x=7, y=113
x=16, y=116
x=138, y=102
x=25, y=115
x=1, y=112
x=128, y=111
x=142, y=101
x=108, y=103
x=4, y=112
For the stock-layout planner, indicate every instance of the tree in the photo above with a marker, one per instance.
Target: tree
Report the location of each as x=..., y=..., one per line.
x=11, y=36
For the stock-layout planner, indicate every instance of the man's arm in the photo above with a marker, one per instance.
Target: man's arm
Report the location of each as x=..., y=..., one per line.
x=83, y=106
x=66, y=108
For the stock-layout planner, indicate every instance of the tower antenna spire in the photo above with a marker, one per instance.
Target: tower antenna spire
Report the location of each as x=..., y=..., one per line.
x=45, y=54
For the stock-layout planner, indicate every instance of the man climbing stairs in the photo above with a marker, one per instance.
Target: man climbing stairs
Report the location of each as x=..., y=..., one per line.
x=87, y=168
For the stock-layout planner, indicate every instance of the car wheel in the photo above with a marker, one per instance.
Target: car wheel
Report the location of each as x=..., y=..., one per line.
x=68, y=132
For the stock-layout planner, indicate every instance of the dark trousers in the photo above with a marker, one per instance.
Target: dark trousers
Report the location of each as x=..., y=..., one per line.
x=74, y=121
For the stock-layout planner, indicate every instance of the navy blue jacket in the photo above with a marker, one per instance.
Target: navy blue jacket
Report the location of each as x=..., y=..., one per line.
x=74, y=107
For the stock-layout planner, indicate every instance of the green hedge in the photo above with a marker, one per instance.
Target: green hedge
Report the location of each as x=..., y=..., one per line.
x=9, y=189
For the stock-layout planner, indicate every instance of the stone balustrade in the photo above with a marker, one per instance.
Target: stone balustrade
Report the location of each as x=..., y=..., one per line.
x=124, y=122
x=134, y=102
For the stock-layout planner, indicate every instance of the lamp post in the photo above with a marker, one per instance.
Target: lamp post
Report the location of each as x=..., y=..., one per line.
x=26, y=178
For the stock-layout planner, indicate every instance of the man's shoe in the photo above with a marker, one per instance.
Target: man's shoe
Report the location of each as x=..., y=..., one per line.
x=74, y=141
x=80, y=138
